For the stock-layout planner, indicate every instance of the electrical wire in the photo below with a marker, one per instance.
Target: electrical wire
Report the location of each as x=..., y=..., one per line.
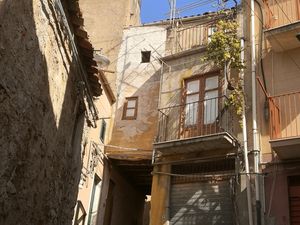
x=261, y=47
x=190, y=7
x=195, y=6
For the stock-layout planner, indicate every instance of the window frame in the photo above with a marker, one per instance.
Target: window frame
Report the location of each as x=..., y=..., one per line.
x=201, y=91
x=125, y=108
x=211, y=29
x=143, y=57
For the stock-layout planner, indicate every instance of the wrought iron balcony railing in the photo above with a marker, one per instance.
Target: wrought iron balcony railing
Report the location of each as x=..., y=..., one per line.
x=201, y=118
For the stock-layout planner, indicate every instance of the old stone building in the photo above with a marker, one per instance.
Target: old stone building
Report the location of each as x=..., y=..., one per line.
x=196, y=146
x=107, y=121
x=106, y=195
x=156, y=61
x=47, y=84
x=278, y=114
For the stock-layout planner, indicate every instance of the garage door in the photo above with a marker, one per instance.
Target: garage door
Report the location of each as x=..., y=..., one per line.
x=201, y=203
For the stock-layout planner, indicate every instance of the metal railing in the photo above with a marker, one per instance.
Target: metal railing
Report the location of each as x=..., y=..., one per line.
x=80, y=214
x=281, y=12
x=190, y=37
x=285, y=115
x=207, y=117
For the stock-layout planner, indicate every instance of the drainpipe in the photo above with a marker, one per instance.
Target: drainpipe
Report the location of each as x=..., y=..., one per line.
x=256, y=148
x=245, y=141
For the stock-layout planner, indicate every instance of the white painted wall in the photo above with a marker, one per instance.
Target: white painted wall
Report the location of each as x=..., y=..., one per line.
x=142, y=80
x=131, y=73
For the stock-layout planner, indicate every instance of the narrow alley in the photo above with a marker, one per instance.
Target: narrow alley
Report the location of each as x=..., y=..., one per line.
x=150, y=112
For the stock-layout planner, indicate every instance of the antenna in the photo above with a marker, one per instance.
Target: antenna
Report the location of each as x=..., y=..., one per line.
x=172, y=12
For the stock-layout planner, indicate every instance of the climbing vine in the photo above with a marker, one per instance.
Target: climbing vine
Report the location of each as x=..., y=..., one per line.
x=224, y=49
x=236, y=99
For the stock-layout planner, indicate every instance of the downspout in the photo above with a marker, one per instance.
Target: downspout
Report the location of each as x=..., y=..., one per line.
x=256, y=149
x=245, y=141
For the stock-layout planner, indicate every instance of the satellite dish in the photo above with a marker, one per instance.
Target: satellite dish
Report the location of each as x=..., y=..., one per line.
x=101, y=60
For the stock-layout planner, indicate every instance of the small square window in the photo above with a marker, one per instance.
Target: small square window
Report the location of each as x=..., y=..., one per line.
x=146, y=55
x=130, y=108
x=211, y=30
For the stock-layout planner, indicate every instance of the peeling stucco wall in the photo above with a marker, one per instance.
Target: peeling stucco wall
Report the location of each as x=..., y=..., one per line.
x=175, y=73
x=40, y=135
x=140, y=80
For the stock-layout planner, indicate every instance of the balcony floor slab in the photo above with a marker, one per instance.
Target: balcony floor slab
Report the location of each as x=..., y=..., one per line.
x=223, y=141
x=288, y=148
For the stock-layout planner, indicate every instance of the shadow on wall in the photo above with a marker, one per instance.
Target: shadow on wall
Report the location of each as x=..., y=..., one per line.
x=200, y=203
x=138, y=133
x=39, y=167
x=120, y=201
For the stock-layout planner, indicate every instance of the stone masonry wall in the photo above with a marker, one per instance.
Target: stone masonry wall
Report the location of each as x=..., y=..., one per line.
x=39, y=147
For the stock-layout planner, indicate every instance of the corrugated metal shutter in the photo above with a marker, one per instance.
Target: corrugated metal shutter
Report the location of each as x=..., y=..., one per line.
x=201, y=203
x=294, y=192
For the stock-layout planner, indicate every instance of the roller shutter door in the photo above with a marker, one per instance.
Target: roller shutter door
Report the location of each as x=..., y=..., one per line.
x=201, y=203
x=294, y=194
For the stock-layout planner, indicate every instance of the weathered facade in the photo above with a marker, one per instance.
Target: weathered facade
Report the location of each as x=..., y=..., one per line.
x=106, y=195
x=161, y=126
x=105, y=21
x=278, y=109
x=196, y=148
x=135, y=124
x=103, y=191
x=46, y=109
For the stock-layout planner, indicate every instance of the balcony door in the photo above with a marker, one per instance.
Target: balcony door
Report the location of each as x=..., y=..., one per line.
x=201, y=105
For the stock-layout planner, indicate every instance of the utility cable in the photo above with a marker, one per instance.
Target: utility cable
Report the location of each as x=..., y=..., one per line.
x=261, y=47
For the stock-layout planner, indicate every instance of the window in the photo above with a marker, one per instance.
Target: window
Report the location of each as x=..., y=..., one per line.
x=103, y=130
x=210, y=31
x=130, y=108
x=211, y=99
x=94, y=202
x=192, y=98
x=201, y=99
x=146, y=55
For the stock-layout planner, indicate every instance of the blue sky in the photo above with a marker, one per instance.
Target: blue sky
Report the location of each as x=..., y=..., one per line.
x=153, y=10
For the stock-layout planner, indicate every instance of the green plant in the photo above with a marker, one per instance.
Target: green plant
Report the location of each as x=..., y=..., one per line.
x=236, y=99
x=224, y=50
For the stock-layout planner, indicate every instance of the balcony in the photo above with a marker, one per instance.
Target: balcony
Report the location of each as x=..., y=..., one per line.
x=285, y=124
x=196, y=127
x=187, y=38
x=282, y=22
